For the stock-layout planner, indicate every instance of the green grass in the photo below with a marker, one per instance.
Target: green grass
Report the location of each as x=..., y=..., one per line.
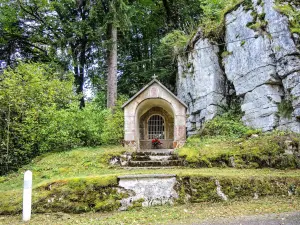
x=264, y=150
x=85, y=181
x=178, y=214
x=93, y=162
x=79, y=162
x=208, y=146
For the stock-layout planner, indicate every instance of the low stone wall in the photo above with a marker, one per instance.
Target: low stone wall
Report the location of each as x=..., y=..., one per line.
x=148, y=190
x=111, y=193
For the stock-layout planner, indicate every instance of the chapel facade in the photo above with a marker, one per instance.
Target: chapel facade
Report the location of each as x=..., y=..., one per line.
x=154, y=113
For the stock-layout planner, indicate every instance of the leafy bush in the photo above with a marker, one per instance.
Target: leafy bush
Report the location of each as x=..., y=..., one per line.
x=39, y=113
x=174, y=42
x=214, y=11
x=113, y=130
x=27, y=93
x=226, y=125
x=71, y=127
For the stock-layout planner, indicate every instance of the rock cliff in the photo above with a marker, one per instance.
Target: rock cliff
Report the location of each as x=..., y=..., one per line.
x=259, y=63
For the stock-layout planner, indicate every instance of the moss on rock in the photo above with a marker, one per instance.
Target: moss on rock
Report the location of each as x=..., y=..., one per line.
x=253, y=150
x=202, y=188
x=78, y=195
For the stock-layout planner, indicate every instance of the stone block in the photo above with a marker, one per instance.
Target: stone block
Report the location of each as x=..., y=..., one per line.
x=152, y=189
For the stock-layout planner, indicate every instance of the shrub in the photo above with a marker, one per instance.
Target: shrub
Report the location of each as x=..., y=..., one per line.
x=39, y=113
x=214, y=11
x=285, y=108
x=113, y=130
x=27, y=94
x=225, y=125
x=174, y=42
x=68, y=128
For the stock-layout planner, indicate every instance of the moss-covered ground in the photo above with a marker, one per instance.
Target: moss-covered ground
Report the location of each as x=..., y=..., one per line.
x=178, y=214
x=247, y=151
x=82, y=180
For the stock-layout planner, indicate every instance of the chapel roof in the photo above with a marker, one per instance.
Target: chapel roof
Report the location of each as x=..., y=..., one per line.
x=148, y=85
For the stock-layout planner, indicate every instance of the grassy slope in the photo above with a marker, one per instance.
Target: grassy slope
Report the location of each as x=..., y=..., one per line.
x=60, y=165
x=92, y=162
x=75, y=170
x=265, y=150
x=179, y=214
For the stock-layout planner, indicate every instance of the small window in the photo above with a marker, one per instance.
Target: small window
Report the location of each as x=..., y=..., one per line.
x=156, y=127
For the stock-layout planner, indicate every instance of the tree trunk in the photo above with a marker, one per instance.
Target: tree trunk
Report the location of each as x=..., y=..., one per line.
x=112, y=67
x=79, y=71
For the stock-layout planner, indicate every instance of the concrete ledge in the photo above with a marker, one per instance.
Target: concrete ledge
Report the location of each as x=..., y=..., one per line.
x=146, y=176
x=151, y=189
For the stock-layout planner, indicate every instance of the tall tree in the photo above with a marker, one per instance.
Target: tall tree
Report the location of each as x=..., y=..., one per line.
x=118, y=17
x=112, y=66
x=64, y=31
x=140, y=50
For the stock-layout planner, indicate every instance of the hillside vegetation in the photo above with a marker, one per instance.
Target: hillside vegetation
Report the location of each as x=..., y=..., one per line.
x=81, y=180
x=225, y=141
x=179, y=214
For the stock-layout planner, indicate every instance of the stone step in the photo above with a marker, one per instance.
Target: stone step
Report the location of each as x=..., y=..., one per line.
x=150, y=167
x=153, y=163
x=153, y=157
x=156, y=151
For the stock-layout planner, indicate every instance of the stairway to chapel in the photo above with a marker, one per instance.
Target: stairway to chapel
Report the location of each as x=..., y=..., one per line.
x=154, y=158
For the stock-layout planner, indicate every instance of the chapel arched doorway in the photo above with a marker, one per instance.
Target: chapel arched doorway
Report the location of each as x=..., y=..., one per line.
x=156, y=123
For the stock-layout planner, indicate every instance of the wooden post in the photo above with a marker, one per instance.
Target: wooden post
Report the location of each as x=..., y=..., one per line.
x=27, y=195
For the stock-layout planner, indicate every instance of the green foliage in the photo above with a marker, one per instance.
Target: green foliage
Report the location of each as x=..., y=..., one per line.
x=257, y=26
x=291, y=12
x=142, y=52
x=39, y=113
x=225, y=125
x=214, y=11
x=225, y=54
x=252, y=150
x=71, y=127
x=175, y=42
x=27, y=93
x=113, y=127
x=285, y=108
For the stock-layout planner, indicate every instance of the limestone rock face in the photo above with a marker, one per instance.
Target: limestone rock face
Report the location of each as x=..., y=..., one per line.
x=264, y=67
x=201, y=84
x=262, y=61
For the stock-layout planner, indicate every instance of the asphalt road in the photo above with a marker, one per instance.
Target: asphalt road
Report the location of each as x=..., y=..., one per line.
x=292, y=218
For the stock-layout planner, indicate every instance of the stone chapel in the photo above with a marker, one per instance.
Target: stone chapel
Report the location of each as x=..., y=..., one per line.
x=154, y=112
